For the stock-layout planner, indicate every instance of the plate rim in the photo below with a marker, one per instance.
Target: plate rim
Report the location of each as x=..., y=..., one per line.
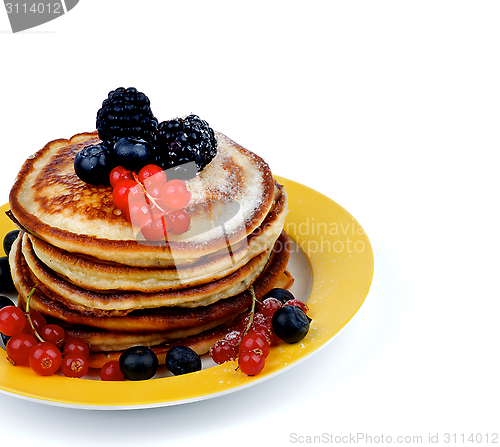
x=24, y=383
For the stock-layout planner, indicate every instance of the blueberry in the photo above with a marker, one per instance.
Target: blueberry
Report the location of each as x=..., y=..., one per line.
x=6, y=283
x=132, y=153
x=280, y=294
x=182, y=360
x=138, y=363
x=290, y=323
x=4, y=301
x=8, y=240
x=93, y=164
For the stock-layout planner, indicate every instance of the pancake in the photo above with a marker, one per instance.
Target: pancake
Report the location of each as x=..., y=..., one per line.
x=200, y=343
x=230, y=199
x=93, y=274
x=151, y=320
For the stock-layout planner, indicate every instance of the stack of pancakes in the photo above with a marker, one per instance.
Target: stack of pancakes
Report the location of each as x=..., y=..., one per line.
x=97, y=277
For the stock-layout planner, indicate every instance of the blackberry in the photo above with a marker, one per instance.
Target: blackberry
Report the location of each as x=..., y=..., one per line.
x=126, y=113
x=181, y=140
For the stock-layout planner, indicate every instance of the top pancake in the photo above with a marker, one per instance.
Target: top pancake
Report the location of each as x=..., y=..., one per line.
x=230, y=199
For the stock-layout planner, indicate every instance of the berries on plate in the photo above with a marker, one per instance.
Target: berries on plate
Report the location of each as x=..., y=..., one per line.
x=138, y=363
x=74, y=365
x=251, y=363
x=18, y=348
x=53, y=333
x=290, y=323
x=280, y=294
x=45, y=358
x=182, y=360
x=8, y=240
x=110, y=371
x=12, y=320
x=6, y=283
x=268, y=323
x=93, y=164
x=126, y=113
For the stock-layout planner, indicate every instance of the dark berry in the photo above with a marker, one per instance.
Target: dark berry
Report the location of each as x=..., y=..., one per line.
x=6, y=283
x=93, y=164
x=182, y=360
x=181, y=140
x=4, y=301
x=280, y=294
x=290, y=323
x=126, y=113
x=138, y=363
x=131, y=153
x=8, y=240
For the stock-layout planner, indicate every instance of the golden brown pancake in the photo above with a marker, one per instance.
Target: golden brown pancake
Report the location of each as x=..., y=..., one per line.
x=230, y=199
x=121, y=303
x=93, y=274
x=152, y=320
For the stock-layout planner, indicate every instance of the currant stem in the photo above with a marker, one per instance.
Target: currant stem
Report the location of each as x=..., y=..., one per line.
x=252, y=310
x=151, y=199
x=28, y=299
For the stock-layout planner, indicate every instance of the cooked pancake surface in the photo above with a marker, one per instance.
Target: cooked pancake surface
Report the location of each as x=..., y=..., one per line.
x=93, y=274
x=147, y=320
x=120, y=303
x=230, y=199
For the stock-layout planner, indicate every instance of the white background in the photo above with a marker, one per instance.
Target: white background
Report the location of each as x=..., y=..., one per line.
x=390, y=108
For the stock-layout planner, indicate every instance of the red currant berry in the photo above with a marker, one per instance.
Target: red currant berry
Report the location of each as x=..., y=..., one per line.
x=53, y=333
x=180, y=221
x=175, y=194
x=138, y=212
x=38, y=320
x=74, y=365
x=119, y=173
x=152, y=174
x=298, y=303
x=251, y=363
x=154, y=192
x=274, y=339
x=45, y=358
x=223, y=351
x=124, y=192
x=18, y=349
x=234, y=337
x=111, y=371
x=269, y=306
x=75, y=345
x=12, y=320
x=156, y=227
x=255, y=342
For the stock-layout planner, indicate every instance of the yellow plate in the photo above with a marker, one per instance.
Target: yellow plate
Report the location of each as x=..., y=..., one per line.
x=341, y=260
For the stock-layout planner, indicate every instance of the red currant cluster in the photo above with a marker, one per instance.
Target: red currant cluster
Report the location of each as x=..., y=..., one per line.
x=44, y=347
x=151, y=202
x=252, y=337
